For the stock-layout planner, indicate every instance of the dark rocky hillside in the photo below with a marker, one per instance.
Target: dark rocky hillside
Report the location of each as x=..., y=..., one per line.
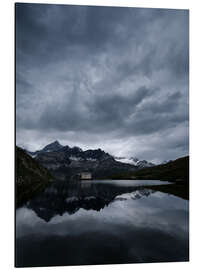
x=30, y=176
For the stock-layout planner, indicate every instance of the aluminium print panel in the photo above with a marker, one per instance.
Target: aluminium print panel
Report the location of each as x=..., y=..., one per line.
x=102, y=135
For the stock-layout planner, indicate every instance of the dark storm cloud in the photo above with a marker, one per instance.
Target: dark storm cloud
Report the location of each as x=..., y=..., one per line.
x=105, y=73
x=46, y=29
x=101, y=112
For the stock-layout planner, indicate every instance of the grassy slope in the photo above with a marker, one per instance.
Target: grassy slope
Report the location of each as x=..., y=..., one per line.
x=174, y=170
x=31, y=177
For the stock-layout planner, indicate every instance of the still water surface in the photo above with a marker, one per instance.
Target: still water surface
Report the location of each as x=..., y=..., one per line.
x=99, y=222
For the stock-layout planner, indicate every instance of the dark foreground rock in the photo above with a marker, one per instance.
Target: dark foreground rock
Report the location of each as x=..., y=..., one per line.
x=31, y=177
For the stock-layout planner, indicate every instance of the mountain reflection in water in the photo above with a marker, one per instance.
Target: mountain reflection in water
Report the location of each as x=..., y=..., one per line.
x=95, y=223
x=69, y=197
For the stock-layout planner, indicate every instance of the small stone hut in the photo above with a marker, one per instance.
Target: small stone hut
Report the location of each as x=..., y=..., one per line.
x=85, y=176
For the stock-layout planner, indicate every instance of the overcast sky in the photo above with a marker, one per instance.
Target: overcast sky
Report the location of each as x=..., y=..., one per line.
x=97, y=77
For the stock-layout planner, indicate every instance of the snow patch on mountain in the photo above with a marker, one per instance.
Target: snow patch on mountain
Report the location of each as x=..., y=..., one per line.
x=75, y=158
x=127, y=160
x=91, y=159
x=33, y=155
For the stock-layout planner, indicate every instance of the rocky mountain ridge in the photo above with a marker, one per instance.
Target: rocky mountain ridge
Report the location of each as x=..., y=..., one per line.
x=65, y=162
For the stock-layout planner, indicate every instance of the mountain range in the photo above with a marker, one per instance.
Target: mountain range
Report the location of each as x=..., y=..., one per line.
x=65, y=162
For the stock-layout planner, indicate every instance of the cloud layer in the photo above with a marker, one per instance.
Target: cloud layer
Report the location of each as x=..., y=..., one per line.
x=115, y=78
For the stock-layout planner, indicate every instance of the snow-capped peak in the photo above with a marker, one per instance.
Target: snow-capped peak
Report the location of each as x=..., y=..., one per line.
x=134, y=161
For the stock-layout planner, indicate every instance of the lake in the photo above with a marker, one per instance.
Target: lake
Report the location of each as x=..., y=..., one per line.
x=102, y=222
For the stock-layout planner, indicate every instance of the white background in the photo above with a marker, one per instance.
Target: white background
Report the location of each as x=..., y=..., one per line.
x=196, y=131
